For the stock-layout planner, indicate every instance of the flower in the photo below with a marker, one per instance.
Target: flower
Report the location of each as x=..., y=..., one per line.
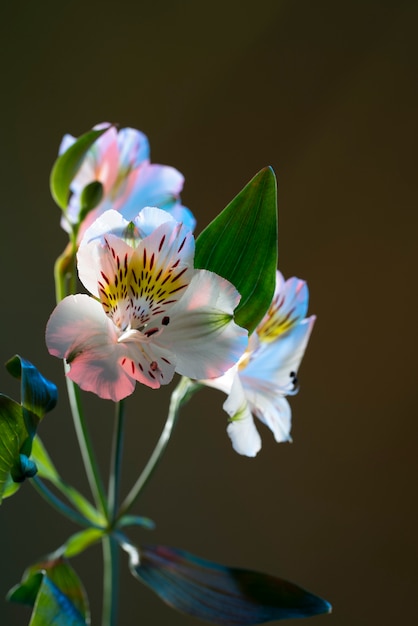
x=120, y=161
x=266, y=373
x=151, y=315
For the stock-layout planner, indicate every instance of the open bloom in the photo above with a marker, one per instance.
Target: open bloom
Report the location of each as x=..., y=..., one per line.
x=267, y=372
x=151, y=315
x=120, y=162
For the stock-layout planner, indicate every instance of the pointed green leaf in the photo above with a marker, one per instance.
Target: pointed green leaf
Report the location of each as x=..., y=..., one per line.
x=53, y=607
x=47, y=470
x=219, y=594
x=240, y=245
x=55, y=591
x=67, y=165
x=80, y=541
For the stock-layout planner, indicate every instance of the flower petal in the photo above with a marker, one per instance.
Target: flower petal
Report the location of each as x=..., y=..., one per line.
x=154, y=185
x=288, y=308
x=201, y=332
x=241, y=430
x=149, y=364
x=79, y=331
x=133, y=148
x=274, y=362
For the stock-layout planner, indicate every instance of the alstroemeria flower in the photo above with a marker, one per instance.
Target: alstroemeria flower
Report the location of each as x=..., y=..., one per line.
x=267, y=372
x=151, y=313
x=120, y=160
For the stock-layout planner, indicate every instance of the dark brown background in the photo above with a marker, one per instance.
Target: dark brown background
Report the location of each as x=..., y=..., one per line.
x=326, y=93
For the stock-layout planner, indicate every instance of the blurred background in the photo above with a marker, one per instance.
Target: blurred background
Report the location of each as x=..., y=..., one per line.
x=326, y=93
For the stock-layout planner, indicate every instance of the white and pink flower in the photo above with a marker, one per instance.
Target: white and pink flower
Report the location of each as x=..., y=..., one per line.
x=120, y=161
x=150, y=314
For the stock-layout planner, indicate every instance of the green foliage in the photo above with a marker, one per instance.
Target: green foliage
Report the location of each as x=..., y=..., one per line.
x=219, y=594
x=47, y=470
x=14, y=437
x=80, y=541
x=18, y=423
x=55, y=592
x=240, y=244
x=67, y=165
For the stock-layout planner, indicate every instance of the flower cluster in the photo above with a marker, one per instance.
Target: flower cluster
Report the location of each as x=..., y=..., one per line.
x=150, y=313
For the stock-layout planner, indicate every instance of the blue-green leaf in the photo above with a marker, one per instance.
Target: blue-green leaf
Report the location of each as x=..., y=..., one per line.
x=18, y=423
x=38, y=395
x=219, y=594
x=67, y=165
x=53, y=607
x=240, y=244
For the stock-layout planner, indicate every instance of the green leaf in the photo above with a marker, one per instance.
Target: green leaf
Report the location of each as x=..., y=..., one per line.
x=38, y=395
x=47, y=470
x=91, y=196
x=67, y=165
x=53, y=607
x=55, y=591
x=14, y=437
x=18, y=423
x=136, y=520
x=219, y=594
x=80, y=541
x=240, y=244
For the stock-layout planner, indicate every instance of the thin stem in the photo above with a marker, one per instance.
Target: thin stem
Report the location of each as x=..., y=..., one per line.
x=57, y=504
x=63, y=270
x=87, y=452
x=110, y=580
x=181, y=394
x=116, y=459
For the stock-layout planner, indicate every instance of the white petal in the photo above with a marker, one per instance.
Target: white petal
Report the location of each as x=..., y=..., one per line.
x=241, y=430
x=79, y=332
x=274, y=411
x=201, y=332
x=154, y=185
x=273, y=362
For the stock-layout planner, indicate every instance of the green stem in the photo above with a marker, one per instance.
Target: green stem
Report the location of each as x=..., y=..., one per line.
x=57, y=504
x=116, y=460
x=110, y=581
x=181, y=394
x=86, y=449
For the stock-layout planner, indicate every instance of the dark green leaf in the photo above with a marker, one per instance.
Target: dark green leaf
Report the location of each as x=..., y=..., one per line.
x=91, y=196
x=14, y=437
x=240, y=244
x=18, y=423
x=56, y=593
x=219, y=594
x=67, y=165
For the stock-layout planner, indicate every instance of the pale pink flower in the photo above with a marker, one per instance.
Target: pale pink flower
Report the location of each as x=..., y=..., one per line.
x=150, y=314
